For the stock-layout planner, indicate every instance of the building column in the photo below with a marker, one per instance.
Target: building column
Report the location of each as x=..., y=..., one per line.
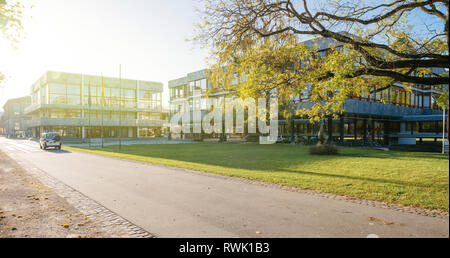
x=373, y=130
x=83, y=132
x=138, y=89
x=387, y=129
x=438, y=130
x=330, y=130
x=365, y=131
x=342, y=130
x=448, y=124
x=308, y=130
x=292, y=129
x=420, y=131
x=138, y=135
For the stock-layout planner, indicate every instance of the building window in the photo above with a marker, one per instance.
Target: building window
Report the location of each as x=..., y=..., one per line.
x=62, y=94
x=64, y=114
x=149, y=100
x=129, y=98
x=191, y=87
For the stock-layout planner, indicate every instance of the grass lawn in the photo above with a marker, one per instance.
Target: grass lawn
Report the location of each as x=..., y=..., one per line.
x=407, y=178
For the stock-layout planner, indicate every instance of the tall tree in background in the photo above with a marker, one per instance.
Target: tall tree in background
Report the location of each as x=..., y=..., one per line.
x=376, y=43
x=10, y=25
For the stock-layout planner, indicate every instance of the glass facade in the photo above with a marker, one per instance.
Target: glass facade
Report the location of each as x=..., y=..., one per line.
x=150, y=100
x=58, y=113
x=188, y=90
x=78, y=107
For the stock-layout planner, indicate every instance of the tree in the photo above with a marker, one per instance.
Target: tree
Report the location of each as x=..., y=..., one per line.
x=10, y=24
x=11, y=20
x=375, y=44
x=443, y=100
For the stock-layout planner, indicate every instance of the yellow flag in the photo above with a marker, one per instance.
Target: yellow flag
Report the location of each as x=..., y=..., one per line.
x=103, y=92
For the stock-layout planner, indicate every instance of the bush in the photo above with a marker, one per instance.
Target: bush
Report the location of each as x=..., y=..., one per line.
x=324, y=149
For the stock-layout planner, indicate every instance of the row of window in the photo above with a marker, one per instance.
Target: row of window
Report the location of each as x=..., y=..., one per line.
x=98, y=115
x=106, y=132
x=72, y=95
x=188, y=90
x=197, y=104
x=97, y=91
x=398, y=96
x=395, y=96
x=357, y=128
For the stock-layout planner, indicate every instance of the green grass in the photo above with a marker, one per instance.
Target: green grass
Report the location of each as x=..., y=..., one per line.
x=413, y=179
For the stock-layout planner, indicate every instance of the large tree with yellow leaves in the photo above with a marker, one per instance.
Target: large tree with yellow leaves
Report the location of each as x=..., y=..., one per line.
x=375, y=43
x=10, y=24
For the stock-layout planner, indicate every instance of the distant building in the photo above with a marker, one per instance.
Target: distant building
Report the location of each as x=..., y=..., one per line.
x=2, y=130
x=183, y=99
x=14, y=119
x=77, y=106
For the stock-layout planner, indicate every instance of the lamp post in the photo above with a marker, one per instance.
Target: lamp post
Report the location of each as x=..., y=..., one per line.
x=443, y=130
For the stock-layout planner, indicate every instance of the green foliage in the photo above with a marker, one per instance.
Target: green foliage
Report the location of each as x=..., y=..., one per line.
x=443, y=100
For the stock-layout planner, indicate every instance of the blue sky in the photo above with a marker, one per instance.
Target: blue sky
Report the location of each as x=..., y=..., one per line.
x=148, y=37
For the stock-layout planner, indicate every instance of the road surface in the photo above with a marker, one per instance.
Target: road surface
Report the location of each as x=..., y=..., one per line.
x=170, y=202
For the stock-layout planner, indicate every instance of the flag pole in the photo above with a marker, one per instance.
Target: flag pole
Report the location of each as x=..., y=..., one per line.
x=90, y=113
x=120, y=108
x=103, y=107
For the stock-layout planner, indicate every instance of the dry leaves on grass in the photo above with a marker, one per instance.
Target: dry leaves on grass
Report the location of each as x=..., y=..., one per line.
x=388, y=223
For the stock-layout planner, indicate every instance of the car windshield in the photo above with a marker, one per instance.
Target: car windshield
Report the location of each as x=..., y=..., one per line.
x=53, y=136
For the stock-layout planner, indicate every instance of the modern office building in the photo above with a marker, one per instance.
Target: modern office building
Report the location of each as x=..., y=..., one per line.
x=394, y=115
x=191, y=92
x=86, y=106
x=14, y=119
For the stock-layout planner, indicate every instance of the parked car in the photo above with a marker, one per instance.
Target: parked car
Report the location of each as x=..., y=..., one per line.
x=50, y=140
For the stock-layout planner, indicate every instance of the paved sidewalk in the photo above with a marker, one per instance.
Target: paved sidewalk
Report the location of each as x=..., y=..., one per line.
x=34, y=204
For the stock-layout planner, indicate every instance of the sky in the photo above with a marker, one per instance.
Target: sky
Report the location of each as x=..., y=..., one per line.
x=147, y=37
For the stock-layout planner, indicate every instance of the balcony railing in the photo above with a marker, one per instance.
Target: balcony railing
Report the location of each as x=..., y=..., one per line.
x=44, y=121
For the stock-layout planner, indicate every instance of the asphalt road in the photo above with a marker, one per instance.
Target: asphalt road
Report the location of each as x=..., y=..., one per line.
x=171, y=202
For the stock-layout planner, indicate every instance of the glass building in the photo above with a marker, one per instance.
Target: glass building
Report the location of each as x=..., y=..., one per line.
x=195, y=91
x=14, y=121
x=85, y=106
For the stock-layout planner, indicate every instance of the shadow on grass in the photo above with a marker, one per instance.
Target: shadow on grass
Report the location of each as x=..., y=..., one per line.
x=394, y=155
x=366, y=179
